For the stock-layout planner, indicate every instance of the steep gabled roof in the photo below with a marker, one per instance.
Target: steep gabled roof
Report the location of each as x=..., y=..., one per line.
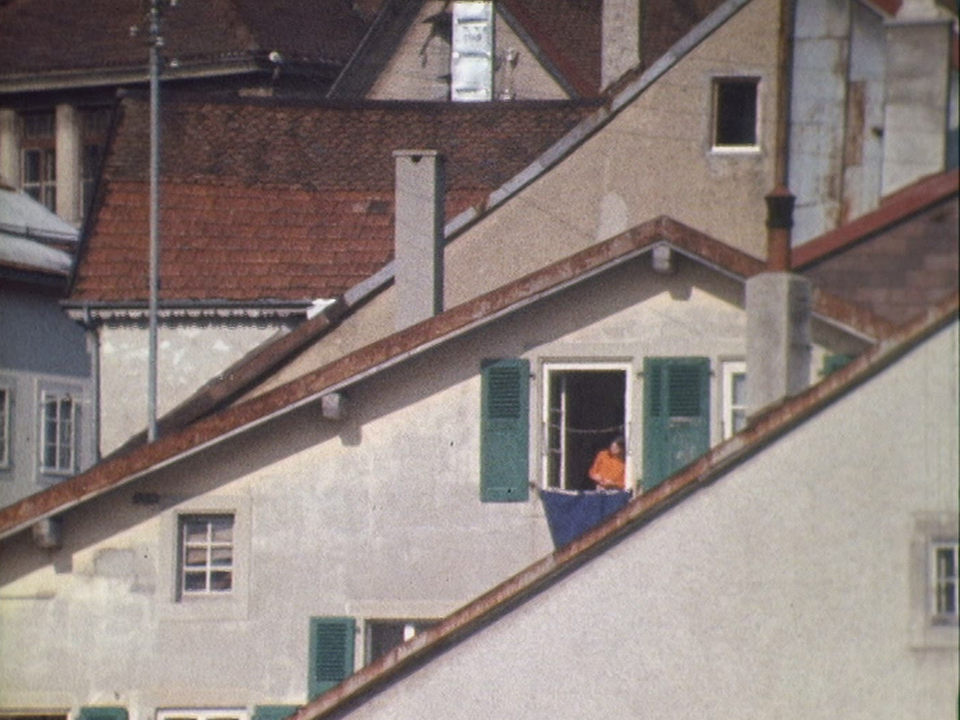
x=565, y=35
x=269, y=200
x=379, y=356
x=898, y=259
x=91, y=42
x=762, y=431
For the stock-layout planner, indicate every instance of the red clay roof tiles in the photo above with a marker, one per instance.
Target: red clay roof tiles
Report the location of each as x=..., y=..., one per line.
x=287, y=201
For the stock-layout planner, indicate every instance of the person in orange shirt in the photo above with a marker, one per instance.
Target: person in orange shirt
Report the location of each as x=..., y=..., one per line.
x=608, y=467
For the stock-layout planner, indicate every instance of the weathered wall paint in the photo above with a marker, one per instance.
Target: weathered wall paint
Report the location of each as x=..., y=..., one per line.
x=788, y=589
x=377, y=516
x=654, y=158
x=188, y=356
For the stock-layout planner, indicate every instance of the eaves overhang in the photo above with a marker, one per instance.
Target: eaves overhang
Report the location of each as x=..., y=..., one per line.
x=107, y=312
x=14, y=83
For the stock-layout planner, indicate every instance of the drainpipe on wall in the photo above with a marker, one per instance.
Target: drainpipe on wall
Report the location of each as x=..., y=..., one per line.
x=418, y=235
x=778, y=302
x=620, y=39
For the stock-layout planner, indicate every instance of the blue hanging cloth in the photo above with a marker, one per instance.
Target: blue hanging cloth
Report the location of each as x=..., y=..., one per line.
x=571, y=514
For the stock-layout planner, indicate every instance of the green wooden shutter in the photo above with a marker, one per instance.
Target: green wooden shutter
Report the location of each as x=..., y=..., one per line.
x=102, y=713
x=504, y=430
x=676, y=418
x=274, y=712
x=832, y=363
x=331, y=653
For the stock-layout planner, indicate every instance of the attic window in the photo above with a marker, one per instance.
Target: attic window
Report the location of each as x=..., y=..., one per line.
x=735, y=113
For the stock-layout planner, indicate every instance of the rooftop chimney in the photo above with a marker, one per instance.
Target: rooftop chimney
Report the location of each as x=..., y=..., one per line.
x=620, y=44
x=778, y=305
x=418, y=235
x=918, y=49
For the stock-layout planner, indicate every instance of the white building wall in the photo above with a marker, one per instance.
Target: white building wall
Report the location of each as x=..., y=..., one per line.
x=189, y=356
x=787, y=589
x=375, y=516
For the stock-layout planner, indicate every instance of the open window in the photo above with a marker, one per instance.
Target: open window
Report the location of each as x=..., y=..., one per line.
x=584, y=408
x=382, y=636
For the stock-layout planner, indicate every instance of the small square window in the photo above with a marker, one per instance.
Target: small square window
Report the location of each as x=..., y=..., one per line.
x=943, y=595
x=206, y=555
x=735, y=112
x=58, y=449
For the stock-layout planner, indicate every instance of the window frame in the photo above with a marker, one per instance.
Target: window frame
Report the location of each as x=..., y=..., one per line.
x=718, y=82
x=233, y=713
x=6, y=404
x=927, y=630
x=42, y=144
x=209, y=545
x=937, y=581
x=547, y=370
x=729, y=369
x=59, y=468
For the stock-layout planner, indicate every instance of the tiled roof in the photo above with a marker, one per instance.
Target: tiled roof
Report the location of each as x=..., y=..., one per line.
x=38, y=36
x=365, y=361
x=896, y=260
x=266, y=200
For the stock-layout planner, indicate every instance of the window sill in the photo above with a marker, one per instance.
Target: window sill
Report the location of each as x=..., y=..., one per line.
x=735, y=150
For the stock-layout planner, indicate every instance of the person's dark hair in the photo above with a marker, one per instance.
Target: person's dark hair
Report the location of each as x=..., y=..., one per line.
x=619, y=440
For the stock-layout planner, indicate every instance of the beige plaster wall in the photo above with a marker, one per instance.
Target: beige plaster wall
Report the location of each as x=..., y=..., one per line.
x=416, y=70
x=376, y=516
x=654, y=158
x=188, y=357
x=787, y=589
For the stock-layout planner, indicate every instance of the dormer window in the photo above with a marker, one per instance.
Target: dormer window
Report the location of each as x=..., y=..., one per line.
x=735, y=113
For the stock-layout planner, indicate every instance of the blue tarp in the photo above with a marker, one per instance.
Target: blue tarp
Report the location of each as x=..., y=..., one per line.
x=571, y=514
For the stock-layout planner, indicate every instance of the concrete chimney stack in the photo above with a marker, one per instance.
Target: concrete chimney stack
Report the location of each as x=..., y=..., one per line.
x=778, y=305
x=620, y=44
x=918, y=50
x=418, y=235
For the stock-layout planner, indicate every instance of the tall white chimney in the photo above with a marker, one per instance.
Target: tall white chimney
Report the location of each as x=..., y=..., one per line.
x=620, y=45
x=418, y=235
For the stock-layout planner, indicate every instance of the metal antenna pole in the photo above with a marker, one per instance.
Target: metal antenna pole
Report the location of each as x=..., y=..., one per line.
x=156, y=42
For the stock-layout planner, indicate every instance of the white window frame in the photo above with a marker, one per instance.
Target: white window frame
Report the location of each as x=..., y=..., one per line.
x=208, y=546
x=930, y=630
x=745, y=148
x=729, y=370
x=203, y=714
x=61, y=466
x=942, y=583
x=548, y=368
x=5, y=404
x=42, y=143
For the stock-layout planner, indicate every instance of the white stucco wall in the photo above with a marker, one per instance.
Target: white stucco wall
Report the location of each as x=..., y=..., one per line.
x=376, y=516
x=787, y=589
x=189, y=356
